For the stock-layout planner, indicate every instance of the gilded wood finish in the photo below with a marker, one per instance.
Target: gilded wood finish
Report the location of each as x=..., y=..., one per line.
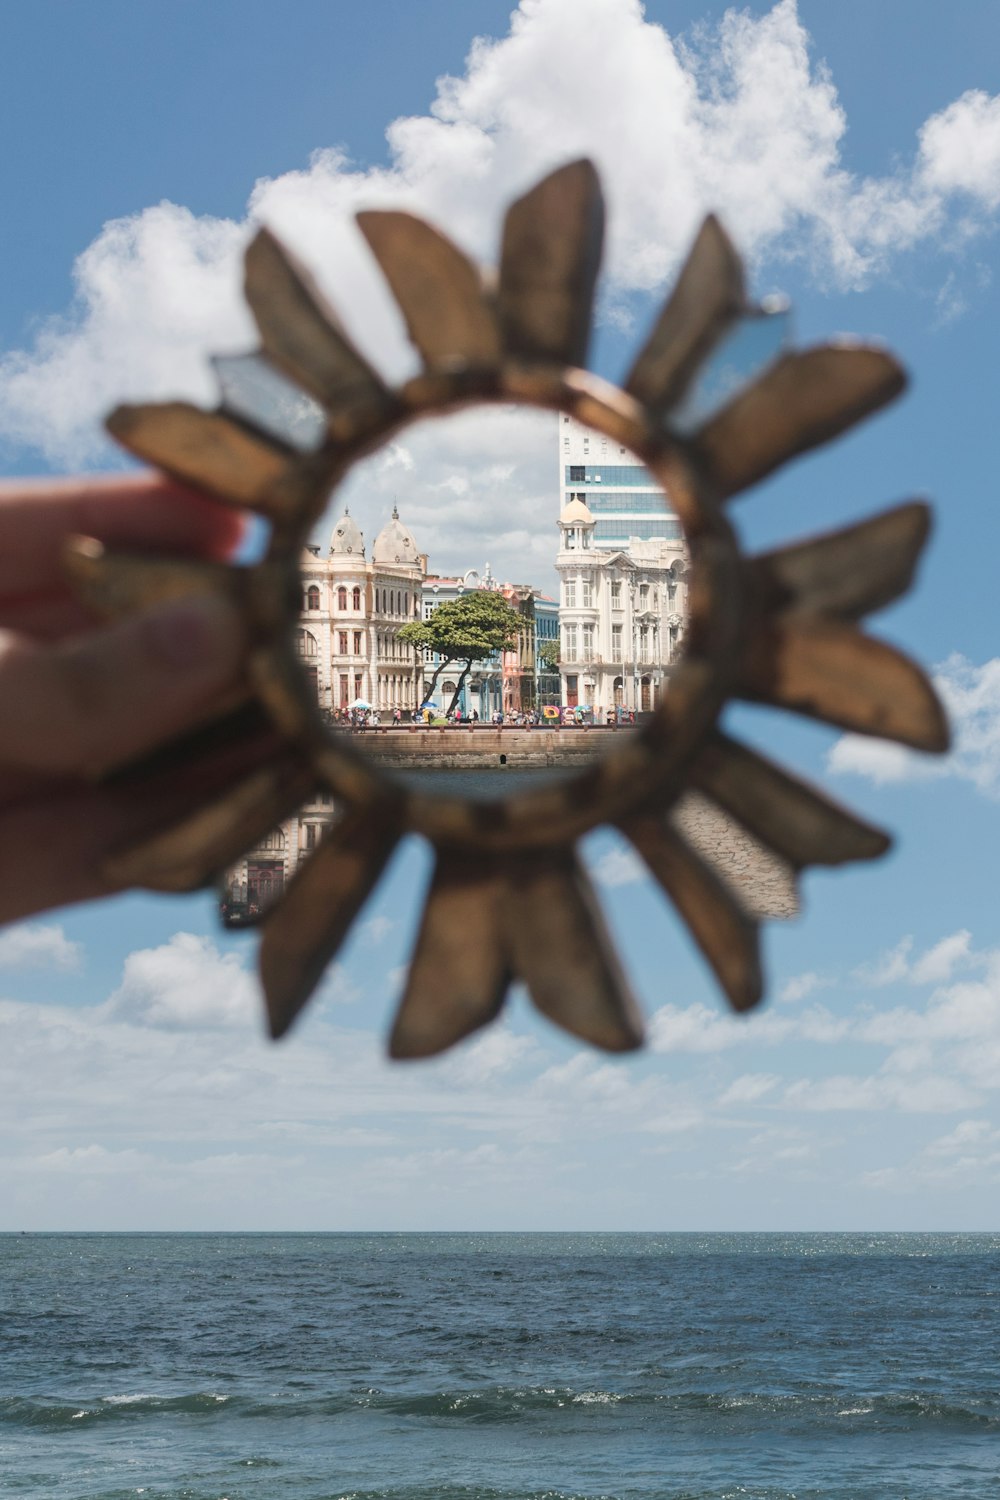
x=509, y=899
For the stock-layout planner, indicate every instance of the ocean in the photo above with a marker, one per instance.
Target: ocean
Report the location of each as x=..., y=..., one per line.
x=500, y=1366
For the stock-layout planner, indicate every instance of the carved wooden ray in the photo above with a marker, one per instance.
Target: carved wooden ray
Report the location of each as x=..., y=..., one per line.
x=509, y=900
x=300, y=331
x=801, y=401
x=212, y=452
x=459, y=972
x=707, y=300
x=720, y=926
x=830, y=671
x=551, y=254
x=439, y=291
x=848, y=573
x=795, y=820
x=308, y=926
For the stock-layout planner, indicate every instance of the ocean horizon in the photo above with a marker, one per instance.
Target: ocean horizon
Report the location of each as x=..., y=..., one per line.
x=569, y=1365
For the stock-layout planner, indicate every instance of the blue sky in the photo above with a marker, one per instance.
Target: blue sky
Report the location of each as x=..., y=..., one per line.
x=854, y=151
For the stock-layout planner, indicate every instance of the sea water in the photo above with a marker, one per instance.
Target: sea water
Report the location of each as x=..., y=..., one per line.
x=494, y=1366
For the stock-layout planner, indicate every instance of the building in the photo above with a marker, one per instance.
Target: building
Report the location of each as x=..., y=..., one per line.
x=510, y=681
x=621, y=613
x=353, y=609
x=623, y=497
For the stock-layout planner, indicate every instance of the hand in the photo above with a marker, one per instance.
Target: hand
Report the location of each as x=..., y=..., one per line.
x=78, y=696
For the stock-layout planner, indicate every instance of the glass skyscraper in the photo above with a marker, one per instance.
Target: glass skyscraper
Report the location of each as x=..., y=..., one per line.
x=625, y=499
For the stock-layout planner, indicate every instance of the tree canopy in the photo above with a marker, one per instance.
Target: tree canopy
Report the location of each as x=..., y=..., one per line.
x=468, y=629
x=548, y=654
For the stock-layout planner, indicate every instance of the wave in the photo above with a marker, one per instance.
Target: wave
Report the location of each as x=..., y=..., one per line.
x=506, y=1404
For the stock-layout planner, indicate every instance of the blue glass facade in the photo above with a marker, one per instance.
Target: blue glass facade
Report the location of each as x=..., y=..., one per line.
x=613, y=533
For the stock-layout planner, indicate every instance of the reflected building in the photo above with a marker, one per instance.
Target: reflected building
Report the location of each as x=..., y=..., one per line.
x=624, y=499
x=623, y=593
x=512, y=681
x=353, y=609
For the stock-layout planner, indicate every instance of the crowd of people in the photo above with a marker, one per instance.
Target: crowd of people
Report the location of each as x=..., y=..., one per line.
x=580, y=717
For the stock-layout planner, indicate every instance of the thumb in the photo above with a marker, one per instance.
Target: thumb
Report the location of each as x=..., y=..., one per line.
x=95, y=701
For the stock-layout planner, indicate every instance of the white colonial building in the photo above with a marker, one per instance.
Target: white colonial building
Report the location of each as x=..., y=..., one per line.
x=352, y=611
x=621, y=613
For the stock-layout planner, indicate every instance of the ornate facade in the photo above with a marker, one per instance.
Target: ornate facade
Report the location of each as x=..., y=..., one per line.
x=621, y=614
x=352, y=611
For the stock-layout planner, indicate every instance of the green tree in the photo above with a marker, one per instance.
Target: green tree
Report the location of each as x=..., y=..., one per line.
x=468, y=629
x=548, y=655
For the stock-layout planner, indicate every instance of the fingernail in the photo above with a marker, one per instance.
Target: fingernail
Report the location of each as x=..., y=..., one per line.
x=193, y=634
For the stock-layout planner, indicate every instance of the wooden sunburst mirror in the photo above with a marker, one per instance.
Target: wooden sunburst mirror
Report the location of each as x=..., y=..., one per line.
x=509, y=898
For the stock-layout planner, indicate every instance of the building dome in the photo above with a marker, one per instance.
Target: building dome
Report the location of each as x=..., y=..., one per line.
x=577, y=513
x=347, y=538
x=394, y=544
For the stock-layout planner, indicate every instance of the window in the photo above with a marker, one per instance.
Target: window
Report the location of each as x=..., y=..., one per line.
x=357, y=643
x=577, y=473
x=616, y=594
x=310, y=831
x=569, y=590
x=345, y=690
x=569, y=642
x=588, y=594
x=274, y=840
x=585, y=539
x=644, y=596
x=588, y=643
x=616, y=642
x=357, y=598
x=358, y=681
x=341, y=597
x=312, y=597
x=644, y=642
x=306, y=644
x=342, y=642
x=571, y=539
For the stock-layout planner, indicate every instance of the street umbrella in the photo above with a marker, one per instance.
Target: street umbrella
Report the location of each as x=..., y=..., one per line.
x=360, y=703
x=428, y=703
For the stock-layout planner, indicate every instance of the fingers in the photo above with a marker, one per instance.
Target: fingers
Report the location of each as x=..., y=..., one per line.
x=145, y=511
x=54, y=842
x=51, y=852
x=93, y=702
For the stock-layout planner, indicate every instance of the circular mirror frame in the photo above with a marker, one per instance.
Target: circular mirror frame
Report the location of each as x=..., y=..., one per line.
x=509, y=898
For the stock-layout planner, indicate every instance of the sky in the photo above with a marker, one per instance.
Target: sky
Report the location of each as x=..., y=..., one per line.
x=853, y=151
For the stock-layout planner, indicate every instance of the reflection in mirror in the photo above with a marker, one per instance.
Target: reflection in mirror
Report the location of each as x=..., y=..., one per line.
x=752, y=344
x=251, y=387
x=502, y=568
x=494, y=599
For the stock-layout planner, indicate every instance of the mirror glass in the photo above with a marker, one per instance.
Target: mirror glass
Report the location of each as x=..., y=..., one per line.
x=492, y=599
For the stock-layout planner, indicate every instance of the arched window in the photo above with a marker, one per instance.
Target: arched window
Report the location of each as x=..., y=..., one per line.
x=342, y=597
x=357, y=599
x=312, y=597
x=306, y=644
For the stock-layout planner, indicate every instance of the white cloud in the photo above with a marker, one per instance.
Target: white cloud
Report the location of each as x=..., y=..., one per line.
x=748, y=1088
x=619, y=866
x=801, y=985
x=971, y=695
x=740, y=119
x=890, y=967
x=38, y=945
x=960, y=149
x=186, y=983
x=934, y=966
x=938, y=963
